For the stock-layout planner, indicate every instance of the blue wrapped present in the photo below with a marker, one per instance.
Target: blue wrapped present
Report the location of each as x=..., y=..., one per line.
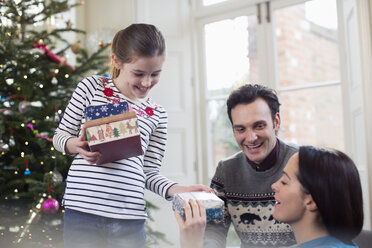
x=100, y=111
x=214, y=206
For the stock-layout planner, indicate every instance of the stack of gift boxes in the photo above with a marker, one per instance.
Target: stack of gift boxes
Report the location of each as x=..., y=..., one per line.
x=112, y=129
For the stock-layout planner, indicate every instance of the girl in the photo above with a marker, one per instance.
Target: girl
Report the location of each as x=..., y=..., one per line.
x=105, y=205
x=319, y=195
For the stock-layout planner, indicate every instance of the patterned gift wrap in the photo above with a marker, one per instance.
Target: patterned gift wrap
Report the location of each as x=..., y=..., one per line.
x=100, y=111
x=116, y=137
x=214, y=206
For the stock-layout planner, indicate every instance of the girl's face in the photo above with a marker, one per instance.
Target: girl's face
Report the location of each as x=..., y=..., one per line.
x=290, y=203
x=138, y=77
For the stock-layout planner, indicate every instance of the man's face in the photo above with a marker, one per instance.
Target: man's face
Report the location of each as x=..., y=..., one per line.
x=254, y=129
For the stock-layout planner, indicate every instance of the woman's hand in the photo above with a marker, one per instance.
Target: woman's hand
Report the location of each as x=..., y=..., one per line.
x=177, y=188
x=80, y=146
x=193, y=227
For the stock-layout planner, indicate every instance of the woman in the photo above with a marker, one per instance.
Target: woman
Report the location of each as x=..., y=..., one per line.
x=319, y=195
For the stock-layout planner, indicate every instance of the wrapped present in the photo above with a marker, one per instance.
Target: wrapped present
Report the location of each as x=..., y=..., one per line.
x=115, y=137
x=105, y=110
x=213, y=204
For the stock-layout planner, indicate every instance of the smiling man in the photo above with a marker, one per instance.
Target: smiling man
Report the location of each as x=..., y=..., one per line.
x=244, y=180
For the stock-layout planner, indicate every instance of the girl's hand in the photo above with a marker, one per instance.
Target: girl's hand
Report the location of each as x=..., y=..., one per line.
x=193, y=227
x=80, y=146
x=177, y=188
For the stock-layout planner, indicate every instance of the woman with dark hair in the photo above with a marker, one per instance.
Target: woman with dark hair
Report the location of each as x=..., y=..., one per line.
x=320, y=196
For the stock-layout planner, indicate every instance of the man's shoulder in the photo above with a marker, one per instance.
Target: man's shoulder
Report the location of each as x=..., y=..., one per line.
x=233, y=159
x=288, y=146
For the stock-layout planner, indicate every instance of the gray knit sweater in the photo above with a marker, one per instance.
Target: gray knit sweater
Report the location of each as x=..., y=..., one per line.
x=249, y=202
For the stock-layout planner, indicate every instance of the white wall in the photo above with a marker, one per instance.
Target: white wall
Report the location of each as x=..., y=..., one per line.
x=102, y=19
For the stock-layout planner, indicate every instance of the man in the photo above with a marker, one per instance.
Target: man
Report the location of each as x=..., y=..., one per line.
x=244, y=180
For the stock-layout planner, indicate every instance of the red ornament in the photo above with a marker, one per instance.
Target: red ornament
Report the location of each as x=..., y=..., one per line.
x=149, y=111
x=52, y=56
x=108, y=92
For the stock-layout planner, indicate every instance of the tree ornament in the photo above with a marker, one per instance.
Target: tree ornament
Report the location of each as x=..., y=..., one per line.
x=75, y=47
x=27, y=170
x=9, y=81
x=53, y=177
x=54, y=81
x=52, y=56
x=11, y=138
x=56, y=117
x=50, y=205
x=3, y=146
x=22, y=106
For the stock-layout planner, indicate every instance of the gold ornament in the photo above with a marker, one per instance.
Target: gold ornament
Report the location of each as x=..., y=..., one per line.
x=75, y=48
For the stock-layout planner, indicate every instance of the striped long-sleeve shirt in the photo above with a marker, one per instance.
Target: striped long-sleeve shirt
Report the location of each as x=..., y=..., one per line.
x=116, y=189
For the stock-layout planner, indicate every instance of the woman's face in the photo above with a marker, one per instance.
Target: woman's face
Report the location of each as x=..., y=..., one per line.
x=138, y=77
x=290, y=199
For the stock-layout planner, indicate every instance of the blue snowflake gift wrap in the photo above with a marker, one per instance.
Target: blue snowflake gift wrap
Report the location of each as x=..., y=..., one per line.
x=214, y=206
x=105, y=110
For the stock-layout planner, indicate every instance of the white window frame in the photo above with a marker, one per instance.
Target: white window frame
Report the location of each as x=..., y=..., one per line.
x=267, y=51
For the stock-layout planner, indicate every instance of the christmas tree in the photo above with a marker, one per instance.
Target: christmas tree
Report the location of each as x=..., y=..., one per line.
x=37, y=80
x=39, y=69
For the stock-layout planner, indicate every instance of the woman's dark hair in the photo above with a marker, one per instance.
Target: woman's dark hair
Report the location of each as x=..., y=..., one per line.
x=137, y=40
x=249, y=93
x=332, y=179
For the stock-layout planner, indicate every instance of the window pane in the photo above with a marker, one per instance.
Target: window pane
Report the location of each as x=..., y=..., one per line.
x=231, y=53
x=313, y=117
x=211, y=2
x=306, y=36
x=221, y=139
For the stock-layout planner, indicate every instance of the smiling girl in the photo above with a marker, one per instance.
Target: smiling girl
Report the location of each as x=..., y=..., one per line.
x=105, y=205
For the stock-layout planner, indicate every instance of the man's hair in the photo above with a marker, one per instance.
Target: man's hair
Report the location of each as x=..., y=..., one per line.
x=249, y=93
x=136, y=40
x=332, y=179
